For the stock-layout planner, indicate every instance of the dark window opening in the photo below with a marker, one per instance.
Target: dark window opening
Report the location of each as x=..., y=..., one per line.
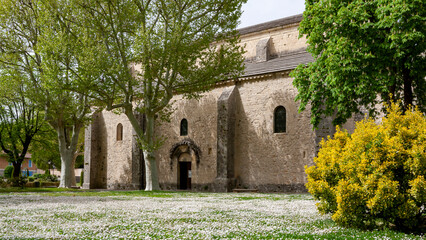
x=119, y=132
x=280, y=120
x=184, y=127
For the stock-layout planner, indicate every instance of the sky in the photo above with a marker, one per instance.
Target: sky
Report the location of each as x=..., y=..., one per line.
x=260, y=11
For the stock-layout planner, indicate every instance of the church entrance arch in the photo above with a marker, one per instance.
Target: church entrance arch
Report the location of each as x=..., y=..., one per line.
x=187, y=156
x=184, y=171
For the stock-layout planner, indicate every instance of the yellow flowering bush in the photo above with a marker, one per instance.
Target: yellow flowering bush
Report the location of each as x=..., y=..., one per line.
x=374, y=177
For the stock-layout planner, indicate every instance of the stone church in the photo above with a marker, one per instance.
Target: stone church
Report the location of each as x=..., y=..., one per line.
x=243, y=134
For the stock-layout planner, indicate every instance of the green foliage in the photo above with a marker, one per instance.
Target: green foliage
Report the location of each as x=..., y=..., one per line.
x=20, y=119
x=45, y=58
x=46, y=177
x=45, y=149
x=8, y=171
x=37, y=175
x=374, y=177
x=18, y=181
x=81, y=178
x=3, y=182
x=31, y=179
x=79, y=161
x=49, y=178
x=171, y=47
x=362, y=49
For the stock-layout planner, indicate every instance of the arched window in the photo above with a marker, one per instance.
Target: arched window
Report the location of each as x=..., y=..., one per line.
x=184, y=127
x=119, y=132
x=280, y=120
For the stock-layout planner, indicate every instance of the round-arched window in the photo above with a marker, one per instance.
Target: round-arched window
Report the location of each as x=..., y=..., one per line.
x=119, y=132
x=184, y=127
x=280, y=120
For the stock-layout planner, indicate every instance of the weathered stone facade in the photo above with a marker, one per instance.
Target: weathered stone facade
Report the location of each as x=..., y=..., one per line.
x=230, y=141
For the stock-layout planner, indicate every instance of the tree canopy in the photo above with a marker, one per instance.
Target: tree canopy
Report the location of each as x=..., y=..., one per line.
x=20, y=119
x=364, y=52
x=36, y=43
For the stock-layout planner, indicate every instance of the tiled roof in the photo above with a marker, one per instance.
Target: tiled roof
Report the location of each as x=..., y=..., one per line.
x=283, y=63
x=271, y=24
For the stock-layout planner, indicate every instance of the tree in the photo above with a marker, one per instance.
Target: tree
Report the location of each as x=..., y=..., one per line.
x=44, y=50
x=45, y=149
x=20, y=120
x=364, y=52
x=146, y=51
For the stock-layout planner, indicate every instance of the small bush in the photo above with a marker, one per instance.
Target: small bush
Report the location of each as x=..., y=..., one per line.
x=18, y=181
x=31, y=179
x=8, y=171
x=81, y=178
x=3, y=182
x=376, y=176
x=37, y=175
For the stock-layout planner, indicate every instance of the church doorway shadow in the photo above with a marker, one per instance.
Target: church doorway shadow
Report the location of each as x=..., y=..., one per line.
x=186, y=154
x=184, y=175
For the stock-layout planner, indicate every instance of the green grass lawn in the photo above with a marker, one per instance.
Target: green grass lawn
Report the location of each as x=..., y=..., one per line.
x=76, y=214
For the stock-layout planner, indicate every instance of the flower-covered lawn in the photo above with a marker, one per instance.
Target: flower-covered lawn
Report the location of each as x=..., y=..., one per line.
x=169, y=215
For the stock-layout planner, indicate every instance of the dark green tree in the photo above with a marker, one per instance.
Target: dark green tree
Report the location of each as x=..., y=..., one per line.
x=20, y=119
x=364, y=51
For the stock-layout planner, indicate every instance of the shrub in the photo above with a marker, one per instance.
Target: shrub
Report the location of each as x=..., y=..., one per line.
x=37, y=175
x=3, y=182
x=18, y=181
x=8, y=171
x=52, y=178
x=81, y=178
x=376, y=176
x=31, y=179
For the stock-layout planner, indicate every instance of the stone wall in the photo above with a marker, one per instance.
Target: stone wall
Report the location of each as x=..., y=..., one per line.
x=266, y=160
x=257, y=157
x=202, y=130
x=111, y=163
x=283, y=40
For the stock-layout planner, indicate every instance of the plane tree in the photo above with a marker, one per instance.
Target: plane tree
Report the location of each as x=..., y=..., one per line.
x=144, y=52
x=44, y=51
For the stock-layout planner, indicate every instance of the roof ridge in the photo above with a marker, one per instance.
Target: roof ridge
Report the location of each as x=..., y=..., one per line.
x=271, y=24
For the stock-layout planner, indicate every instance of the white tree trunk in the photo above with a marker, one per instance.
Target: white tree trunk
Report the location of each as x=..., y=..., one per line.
x=67, y=149
x=67, y=169
x=151, y=172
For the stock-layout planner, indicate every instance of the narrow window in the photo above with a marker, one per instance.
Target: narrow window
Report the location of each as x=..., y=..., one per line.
x=280, y=120
x=184, y=127
x=119, y=132
x=30, y=164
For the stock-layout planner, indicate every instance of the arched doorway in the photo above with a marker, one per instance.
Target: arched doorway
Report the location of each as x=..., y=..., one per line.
x=184, y=171
x=185, y=156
